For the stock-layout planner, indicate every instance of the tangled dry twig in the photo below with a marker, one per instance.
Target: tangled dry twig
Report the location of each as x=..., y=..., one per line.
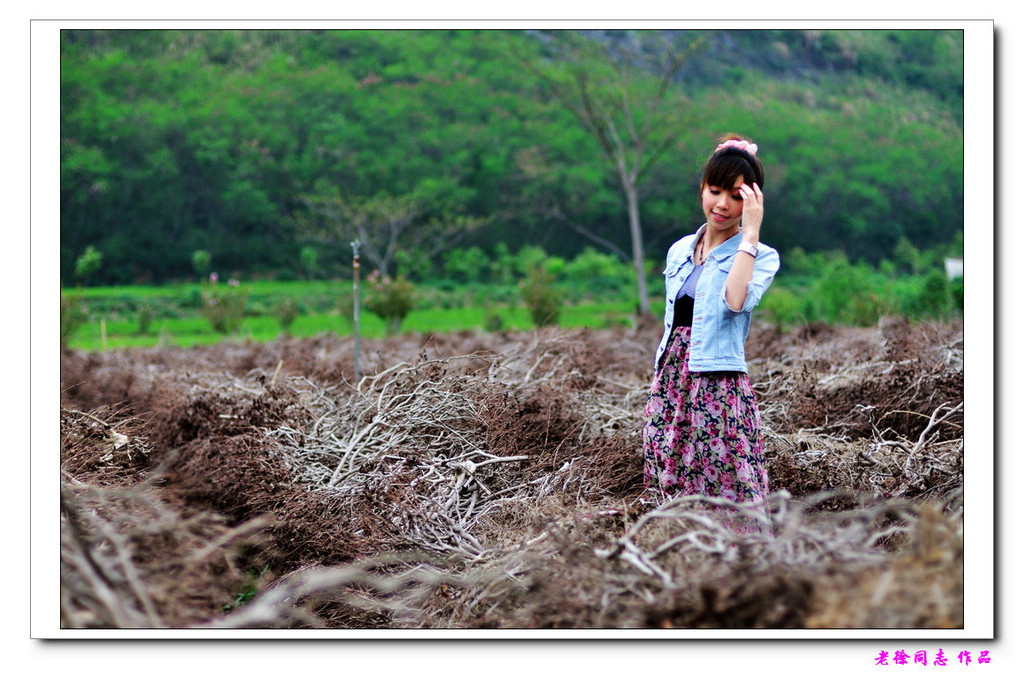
x=499, y=486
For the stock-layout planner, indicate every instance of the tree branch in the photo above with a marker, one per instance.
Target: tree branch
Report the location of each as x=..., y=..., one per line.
x=618, y=251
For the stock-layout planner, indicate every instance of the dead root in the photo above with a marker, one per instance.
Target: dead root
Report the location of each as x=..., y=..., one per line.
x=494, y=481
x=884, y=565
x=132, y=559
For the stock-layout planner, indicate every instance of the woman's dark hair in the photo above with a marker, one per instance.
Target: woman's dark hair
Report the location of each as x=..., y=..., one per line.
x=730, y=162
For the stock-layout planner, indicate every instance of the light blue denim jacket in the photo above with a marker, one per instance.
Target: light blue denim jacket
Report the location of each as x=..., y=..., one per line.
x=718, y=332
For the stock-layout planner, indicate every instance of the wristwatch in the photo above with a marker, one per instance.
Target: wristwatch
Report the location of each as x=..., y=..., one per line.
x=748, y=248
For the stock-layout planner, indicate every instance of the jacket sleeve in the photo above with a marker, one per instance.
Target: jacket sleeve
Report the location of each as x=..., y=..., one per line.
x=766, y=265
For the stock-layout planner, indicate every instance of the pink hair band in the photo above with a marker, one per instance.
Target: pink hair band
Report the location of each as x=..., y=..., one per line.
x=740, y=144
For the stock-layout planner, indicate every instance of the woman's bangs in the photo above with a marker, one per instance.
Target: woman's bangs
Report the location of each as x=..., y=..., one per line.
x=723, y=172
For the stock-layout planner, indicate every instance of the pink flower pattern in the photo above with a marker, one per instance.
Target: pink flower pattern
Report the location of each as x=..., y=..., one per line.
x=702, y=431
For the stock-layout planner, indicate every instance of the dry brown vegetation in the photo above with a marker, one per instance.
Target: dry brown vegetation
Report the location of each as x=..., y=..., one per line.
x=494, y=481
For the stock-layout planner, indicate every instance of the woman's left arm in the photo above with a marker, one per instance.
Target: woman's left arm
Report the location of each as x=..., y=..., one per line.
x=742, y=271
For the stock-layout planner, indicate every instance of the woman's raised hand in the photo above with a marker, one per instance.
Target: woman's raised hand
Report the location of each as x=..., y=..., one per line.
x=753, y=209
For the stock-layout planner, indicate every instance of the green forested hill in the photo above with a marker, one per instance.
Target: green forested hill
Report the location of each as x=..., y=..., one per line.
x=176, y=141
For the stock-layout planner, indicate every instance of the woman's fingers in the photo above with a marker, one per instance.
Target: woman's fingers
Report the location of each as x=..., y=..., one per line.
x=753, y=205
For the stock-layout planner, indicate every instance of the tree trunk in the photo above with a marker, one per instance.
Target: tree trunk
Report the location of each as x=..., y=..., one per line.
x=636, y=238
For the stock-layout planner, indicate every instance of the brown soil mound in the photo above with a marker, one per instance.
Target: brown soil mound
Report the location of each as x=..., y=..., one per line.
x=494, y=480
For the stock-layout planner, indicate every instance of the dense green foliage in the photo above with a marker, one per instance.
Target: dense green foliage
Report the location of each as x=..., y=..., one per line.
x=591, y=289
x=178, y=142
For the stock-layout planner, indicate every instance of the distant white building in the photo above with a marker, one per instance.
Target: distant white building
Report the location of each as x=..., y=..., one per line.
x=954, y=267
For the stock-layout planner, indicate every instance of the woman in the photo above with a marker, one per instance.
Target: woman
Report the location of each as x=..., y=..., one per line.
x=702, y=428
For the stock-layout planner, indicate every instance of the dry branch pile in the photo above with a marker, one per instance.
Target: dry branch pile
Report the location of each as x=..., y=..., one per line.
x=880, y=412
x=495, y=481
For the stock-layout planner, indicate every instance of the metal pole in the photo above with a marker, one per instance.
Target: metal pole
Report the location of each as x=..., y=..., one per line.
x=355, y=300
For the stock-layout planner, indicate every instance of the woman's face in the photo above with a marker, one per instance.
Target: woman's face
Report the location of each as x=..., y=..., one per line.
x=723, y=207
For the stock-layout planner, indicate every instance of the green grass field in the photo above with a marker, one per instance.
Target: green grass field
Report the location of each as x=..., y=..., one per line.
x=121, y=329
x=325, y=306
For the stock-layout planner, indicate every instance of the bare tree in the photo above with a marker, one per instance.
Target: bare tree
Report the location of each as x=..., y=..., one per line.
x=620, y=92
x=384, y=225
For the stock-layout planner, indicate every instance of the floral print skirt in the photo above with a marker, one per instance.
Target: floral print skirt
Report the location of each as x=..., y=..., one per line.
x=702, y=431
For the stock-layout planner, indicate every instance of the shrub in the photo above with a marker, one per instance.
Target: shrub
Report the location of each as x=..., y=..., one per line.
x=390, y=299
x=956, y=290
x=88, y=263
x=413, y=265
x=848, y=294
x=493, y=319
x=466, y=265
x=542, y=300
x=224, y=305
x=72, y=316
x=556, y=266
x=189, y=298
x=593, y=264
x=528, y=258
x=146, y=315
x=493, y=322
x=593, y=272
x=782, y=307
x=907, y=257
x=934, y=298
x=287, y=311
x=201, y=262
x=310, y=261
x=503, y=265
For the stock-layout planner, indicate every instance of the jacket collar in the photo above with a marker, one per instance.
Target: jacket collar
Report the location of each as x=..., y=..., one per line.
x=723, y=251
